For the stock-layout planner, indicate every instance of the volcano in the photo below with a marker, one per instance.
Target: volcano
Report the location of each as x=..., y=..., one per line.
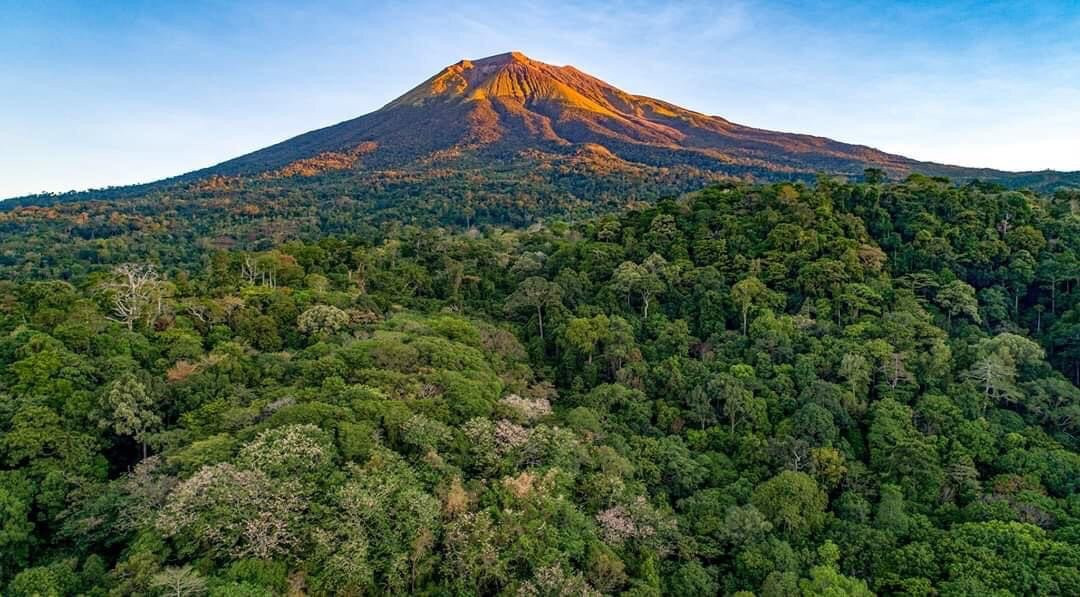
x=524, y=118
x=510, y=106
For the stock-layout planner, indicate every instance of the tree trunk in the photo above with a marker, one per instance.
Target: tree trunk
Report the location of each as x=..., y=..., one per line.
x=1053, y=296
x=540, y=318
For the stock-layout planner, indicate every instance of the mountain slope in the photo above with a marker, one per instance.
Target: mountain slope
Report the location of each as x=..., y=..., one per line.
x=524, y=118
x=498, y=106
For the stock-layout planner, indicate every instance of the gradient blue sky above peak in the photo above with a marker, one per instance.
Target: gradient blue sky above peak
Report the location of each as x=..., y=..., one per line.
x=118, y=92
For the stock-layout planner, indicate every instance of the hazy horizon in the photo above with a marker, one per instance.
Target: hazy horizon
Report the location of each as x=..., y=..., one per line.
x=128, y=92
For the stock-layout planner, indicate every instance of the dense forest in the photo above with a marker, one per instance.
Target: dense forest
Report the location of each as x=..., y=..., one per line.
x=178, y=223
x=840, y=388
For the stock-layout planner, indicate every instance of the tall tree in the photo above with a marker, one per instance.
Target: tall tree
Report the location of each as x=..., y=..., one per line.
x=535, y=293
x=128, y=408
x=748, y=293
x=958, y=298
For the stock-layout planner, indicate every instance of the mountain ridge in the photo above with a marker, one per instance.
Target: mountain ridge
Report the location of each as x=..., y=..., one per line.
x=505, y=106
x=504, y=100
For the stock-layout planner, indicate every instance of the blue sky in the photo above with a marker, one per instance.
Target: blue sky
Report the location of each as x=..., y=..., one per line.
x=109, y=92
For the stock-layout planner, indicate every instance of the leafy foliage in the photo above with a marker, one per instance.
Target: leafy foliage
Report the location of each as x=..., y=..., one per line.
x=822, y=390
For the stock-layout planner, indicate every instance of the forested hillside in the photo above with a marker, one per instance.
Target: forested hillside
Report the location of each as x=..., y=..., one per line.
x=830, y=389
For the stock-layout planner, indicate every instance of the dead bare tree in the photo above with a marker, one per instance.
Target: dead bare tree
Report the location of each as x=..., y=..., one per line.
x=136, y=293
x=249, y=270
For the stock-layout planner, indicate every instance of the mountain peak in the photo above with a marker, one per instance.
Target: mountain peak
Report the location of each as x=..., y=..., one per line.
x=510, y=74
x=509, y=107
x=503, y=59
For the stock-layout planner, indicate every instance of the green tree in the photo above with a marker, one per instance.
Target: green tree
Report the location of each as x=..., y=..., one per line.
x=535, y=293
x=856, y=370
x=739, y=403
x=128, y=408
x=793, y=502
x=747, y=294
x=16, y=529
x=826, y=581
x=585, y=334
x=958, y=298
x=645, y=280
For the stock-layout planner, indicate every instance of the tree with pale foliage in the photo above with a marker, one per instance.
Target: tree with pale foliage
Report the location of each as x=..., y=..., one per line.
x=183, y=581
x=227, y=512
x=289, y=452
x=471, y=548
x=553, y=581
x=526, y=409
x=345, y=566
x=995, y=371
x=700, y=406
x=322, y=320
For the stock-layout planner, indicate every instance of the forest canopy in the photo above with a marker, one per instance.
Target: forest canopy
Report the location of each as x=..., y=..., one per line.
x=840, y=388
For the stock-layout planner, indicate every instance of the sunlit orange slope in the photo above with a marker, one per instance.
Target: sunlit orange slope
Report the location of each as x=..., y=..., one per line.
x=508, y=105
